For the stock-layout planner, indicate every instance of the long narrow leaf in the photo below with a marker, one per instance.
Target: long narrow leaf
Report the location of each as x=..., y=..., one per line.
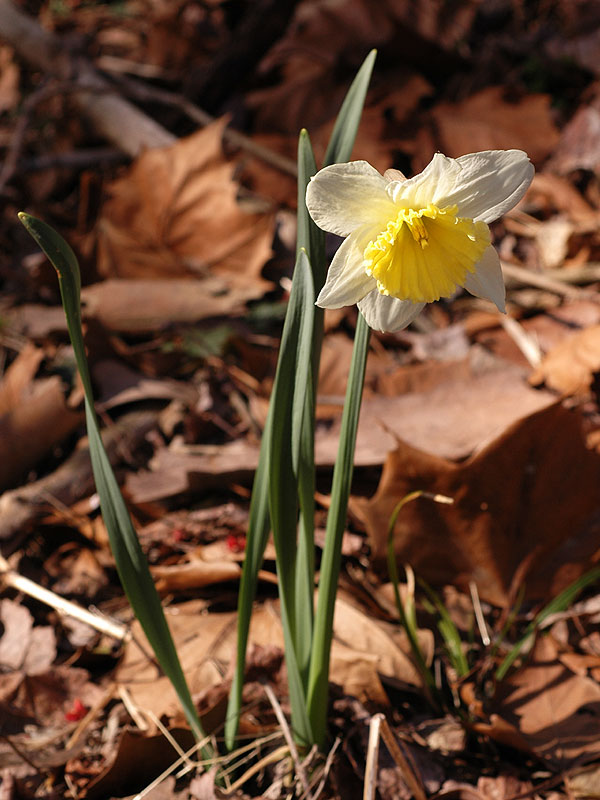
x=336, y=521
x=558, y=603
x=256, y=542
x=287, y=399
x=408, y=616
x=449, y=632
x=346, y=125
x=311, y=239
x=339, y=149
x=129, y=558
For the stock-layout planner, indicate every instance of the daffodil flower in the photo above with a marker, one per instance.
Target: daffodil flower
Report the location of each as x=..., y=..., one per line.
x=410, y=242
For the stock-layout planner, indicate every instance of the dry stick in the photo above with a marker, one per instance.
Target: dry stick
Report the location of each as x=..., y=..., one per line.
x=270, y=758
x=114, y=118
x=20, y=752
x=327, y=768
x=586, y=273
x=142, y=92
x=483, y=632
x=132, y=709
x=11, y=578
x=169, y=770
x=289, y=740
x=524, y=341
x=370, y=784
x=551, y=284
x=407, y=773
x=15, y=146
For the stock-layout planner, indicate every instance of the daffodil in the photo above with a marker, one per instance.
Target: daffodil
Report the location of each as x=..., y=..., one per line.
x=410, y=242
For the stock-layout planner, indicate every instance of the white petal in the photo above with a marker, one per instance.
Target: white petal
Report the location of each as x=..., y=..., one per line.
x=483, y=185
x=439, y=176
x=387, y=313
x=487, y=280
x=346, y=280
x=489, y=184
x=343, y=197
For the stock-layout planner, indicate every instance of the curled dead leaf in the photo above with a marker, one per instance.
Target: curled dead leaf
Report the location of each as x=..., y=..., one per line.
x=175, y=213
x=569, y=368
x=531, y=496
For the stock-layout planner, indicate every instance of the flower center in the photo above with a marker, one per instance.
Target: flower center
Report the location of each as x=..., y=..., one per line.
x=425, y=254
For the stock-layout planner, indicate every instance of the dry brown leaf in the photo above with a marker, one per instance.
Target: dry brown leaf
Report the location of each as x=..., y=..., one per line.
x=460, y=408
x=360, y=633
x=18, y=376
x=75, y=570
x=553, y=193
x=552, y=238
x=145, y=306
x=532, y=493
x=118, y=385
x=23, y=646
x=554, y=711
x=363, y=649
x=46, y=697
x=175, y=214
x=9, y=79
x=138, y=760
x=503, y=787
x=489, y=120
x=180, y=469
x=585, y=783
x=471, y=404
x=194, y=574
x=37, y=420
x=569, y=368
x=579, y=146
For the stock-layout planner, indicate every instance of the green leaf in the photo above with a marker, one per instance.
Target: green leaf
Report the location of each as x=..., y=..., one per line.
x=557, y=604
x=310, y=239
x=288, y=401
x=336, y=521
x=408, y=616
x=449, y=633
x=299, y=581
x=256, y=542
x=343, y=135
x=129, y=557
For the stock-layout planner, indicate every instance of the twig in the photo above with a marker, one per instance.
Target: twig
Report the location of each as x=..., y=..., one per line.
x=91, y=715
x=270, y=758
x=327, y=768
x=143, y=92
x=20, y=753
x=483, y=632
x=75, y=159
x=550, y=284
x=170, y=769
x=133, y=709
x=407, y=773
x=586, y=273
x=112, y=116
x=524, y=341
x=289, y=740
x=100, y=623
x=370, y=784
x=15, y=146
